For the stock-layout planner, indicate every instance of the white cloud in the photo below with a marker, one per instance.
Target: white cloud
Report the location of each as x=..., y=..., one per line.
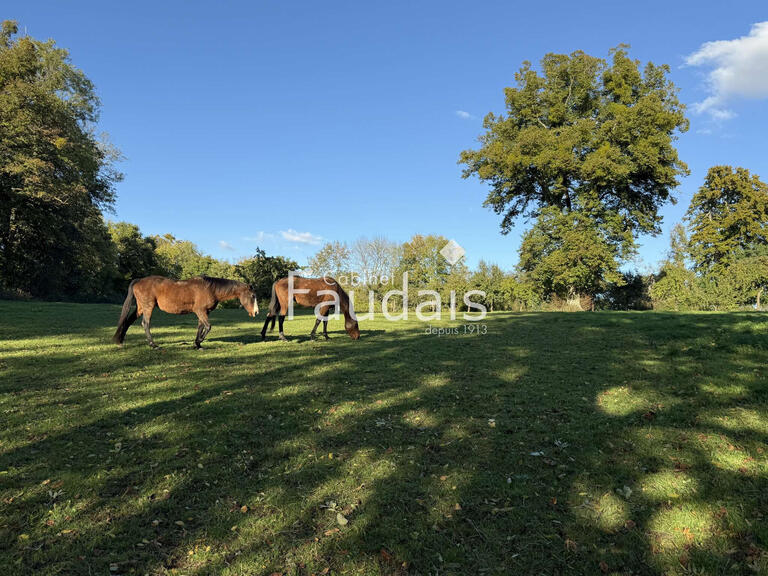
x=224, y=245
x=301, y=237
x=463, y=114
x=739, y=68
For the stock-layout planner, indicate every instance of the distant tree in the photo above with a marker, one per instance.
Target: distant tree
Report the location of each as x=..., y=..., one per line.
x=727, y=217
x=749, y=275
x=136, y=255
x=427, y=268
x=261, y=271
x=182, y=259
x=374, y=259
x=676, y=288
x=523, y=292
x=55, y=174
x=333, y=259
x=573, y=254
x=678, y=245
x=491, y=279
x=630, y=294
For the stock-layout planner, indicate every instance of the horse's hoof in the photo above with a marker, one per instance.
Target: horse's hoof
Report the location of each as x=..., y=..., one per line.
x=282, y=338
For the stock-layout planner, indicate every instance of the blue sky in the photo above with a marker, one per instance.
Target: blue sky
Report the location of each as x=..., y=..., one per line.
x=284, y=124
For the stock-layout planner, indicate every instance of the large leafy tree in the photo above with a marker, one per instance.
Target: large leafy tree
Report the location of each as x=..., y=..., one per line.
x=728, y=216
x=587, y=138
x=55, y=174
x=582, y=126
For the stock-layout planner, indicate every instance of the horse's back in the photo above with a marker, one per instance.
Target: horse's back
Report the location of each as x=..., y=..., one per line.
x=172, y=296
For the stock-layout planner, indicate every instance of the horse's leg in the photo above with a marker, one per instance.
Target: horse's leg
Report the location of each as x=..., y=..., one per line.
x=266, y=323
x=281, y=319
x=146, y=320
x=325, y=329
x=203, y=327
x=317, y=323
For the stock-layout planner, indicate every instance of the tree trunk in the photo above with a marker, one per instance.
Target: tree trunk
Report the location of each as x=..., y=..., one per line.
x=759, y=293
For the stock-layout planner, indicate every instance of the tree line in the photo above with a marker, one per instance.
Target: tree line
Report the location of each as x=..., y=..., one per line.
x=584, y=155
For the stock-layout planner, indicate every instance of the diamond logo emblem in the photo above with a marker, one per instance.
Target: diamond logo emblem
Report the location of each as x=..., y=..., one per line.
x=453, y=252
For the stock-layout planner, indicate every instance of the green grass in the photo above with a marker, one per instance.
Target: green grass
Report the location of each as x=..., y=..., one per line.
x=579, y=443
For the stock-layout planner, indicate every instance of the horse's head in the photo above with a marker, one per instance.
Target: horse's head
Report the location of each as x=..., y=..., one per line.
x=248, y=300
x=352, y=329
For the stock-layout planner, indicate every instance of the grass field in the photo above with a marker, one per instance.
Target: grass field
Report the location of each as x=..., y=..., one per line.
x=556, y=443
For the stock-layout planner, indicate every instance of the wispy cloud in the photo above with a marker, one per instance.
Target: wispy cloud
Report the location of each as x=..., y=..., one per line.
x=738, y=68
x=463, y=114
x=260, y=236
x=301, y=237
x=224, y=245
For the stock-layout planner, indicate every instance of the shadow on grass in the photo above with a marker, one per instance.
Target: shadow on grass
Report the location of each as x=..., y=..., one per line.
x=554, y=443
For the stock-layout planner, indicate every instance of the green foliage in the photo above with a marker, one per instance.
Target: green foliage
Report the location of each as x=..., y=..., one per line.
x=493, y=281
x=182, y=259
x=632, y=293
x=572, y=254
x=588, y=145
x=676, y=288
x=136, y=255
x=727, y=216
x=261, y=271
x=427, y=268
x=749, y=274
x=583, y=127
x=54, y=173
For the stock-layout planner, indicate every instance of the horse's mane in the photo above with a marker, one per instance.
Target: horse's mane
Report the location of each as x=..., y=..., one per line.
x=221, y=284
x=343, y=296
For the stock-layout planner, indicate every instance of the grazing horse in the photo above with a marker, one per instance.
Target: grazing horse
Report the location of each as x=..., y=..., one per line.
x=199, y=295
x=322, y=293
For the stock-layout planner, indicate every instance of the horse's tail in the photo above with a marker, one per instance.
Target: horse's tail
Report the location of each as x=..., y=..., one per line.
x=274, y=307
x=127, y=317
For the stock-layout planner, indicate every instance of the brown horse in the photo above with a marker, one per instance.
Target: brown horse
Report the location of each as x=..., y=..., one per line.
x=199, y=295
x=321, y=293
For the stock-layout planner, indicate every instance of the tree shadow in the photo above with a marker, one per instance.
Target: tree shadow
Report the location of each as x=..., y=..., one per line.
x=510, y=452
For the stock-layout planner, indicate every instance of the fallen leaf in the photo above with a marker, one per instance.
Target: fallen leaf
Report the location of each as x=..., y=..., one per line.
x=341, y=519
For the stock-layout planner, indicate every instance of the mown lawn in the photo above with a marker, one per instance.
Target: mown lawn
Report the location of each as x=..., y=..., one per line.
x=556, y=443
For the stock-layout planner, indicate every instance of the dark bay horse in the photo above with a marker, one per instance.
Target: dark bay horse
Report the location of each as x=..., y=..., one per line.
x=320, y=293
x=199, y=295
